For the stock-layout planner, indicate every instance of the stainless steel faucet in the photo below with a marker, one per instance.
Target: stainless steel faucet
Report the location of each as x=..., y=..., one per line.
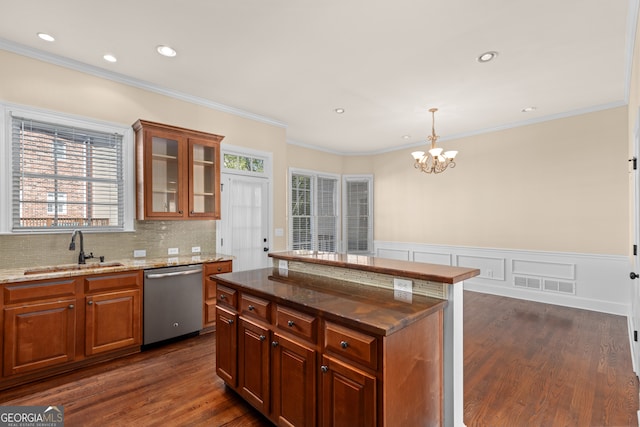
x=72, y=247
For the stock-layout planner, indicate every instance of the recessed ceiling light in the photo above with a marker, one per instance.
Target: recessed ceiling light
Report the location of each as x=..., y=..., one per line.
x=406, y=136
x=339, y=110
x=110, y=58
x=166, y=51
x=528, y=109
x=487, y=56
x=46, y=37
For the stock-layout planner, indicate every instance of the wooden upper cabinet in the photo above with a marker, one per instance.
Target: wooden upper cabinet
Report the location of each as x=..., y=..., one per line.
x=177, y=172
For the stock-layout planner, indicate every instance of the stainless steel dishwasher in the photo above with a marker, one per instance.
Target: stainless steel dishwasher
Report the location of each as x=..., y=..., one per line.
x=172, y=302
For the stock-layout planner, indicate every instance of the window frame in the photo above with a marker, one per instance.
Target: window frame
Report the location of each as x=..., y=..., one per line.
x=314, y=206
x=7, y=110
x=345, y=203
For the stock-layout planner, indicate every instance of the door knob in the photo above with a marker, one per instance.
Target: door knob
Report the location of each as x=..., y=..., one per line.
x=633, y=275
x=265, y=249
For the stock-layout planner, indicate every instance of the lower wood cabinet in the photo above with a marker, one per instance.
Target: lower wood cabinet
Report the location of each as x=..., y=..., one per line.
x=348, y=395
x=55, y=325
x=227, y=346
x=305, y=368
x=293, y=380
x=39, y=335
x=209, y=290
x=254, y=367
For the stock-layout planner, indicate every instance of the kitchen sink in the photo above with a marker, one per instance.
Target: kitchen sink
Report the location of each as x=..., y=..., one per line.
x=72, y=267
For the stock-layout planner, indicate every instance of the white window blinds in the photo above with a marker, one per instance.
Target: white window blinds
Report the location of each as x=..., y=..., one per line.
x=314, y=212
x=358, y=217
x=65, y=177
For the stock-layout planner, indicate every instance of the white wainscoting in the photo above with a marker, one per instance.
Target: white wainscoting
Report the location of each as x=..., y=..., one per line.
x=591, y=282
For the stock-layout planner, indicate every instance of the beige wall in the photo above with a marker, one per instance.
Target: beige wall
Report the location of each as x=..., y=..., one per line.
x=42, y=85
x=559, y=185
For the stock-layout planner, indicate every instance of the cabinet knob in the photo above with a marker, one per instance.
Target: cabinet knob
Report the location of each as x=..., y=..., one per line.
x=192, y=212
x=274, y=343
x=90, y=302
x=71, y=306
x=219, y=268
x=230, y=321
x=290, y=323
x=344, y=344
x=223, y=296
x=180, y=212
x=262, y=337
x=251, y=308
x=324, y=368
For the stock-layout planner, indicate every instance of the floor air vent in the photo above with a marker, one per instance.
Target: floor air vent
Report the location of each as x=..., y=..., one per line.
x=527, y=282
x=560, y=286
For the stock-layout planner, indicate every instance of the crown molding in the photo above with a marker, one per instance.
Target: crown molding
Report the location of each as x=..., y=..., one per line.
x=137, y=83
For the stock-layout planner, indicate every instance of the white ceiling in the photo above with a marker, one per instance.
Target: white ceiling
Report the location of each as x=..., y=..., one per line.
x=385, y=62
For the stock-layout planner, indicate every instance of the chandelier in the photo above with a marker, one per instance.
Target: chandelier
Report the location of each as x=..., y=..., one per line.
x=434, y=161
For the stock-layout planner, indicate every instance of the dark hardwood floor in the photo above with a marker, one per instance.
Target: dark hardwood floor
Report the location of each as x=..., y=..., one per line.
x=532, y=364
x=526, y=364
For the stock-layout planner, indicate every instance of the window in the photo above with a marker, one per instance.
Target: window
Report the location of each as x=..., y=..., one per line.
x=358, y=215
x=243, y=163
x=56, y=204
x=65, y=173
x=314, y=212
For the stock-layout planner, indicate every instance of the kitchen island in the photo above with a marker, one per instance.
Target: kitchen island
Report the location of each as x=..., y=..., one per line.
x=323, y=338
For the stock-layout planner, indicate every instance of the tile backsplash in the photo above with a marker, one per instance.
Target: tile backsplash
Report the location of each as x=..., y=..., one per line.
x=156, y=237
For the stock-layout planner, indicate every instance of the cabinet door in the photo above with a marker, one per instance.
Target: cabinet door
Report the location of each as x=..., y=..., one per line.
x=293, y=383
x=348, y=395
x=39, y=335
x=112, y=321
x=226, y=346
x=253, y=360
x=164, y=174
x=204, y=178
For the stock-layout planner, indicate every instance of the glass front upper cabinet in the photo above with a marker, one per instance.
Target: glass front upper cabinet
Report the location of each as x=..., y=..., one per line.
x=178, y=172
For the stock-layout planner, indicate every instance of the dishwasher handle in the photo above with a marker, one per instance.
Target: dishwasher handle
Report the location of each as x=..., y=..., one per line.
x=173, y=274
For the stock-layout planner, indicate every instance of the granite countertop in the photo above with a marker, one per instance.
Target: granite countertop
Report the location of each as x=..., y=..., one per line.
x=376, y=310
x=12, y=275
x=414, y=270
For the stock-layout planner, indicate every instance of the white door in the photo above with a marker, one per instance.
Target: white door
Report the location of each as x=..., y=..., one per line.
x=244, y=227
x=635, y=262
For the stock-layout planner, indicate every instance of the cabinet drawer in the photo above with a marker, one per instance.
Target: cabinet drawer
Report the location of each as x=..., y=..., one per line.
x=112, y=282
x=297, y=323
x=21, y=293
x=217, y=268
x=354, y=345
x=255, y=307
x=226, y=296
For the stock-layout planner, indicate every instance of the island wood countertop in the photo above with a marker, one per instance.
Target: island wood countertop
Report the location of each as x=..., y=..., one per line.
x=366, y=307
x=414, y=270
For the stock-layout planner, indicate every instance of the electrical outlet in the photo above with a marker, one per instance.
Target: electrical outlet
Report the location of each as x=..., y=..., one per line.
x=402, y=296
x=139, y=253
x=403, y=285
x=195, y=249
x=489, y=273
x=173, y=251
